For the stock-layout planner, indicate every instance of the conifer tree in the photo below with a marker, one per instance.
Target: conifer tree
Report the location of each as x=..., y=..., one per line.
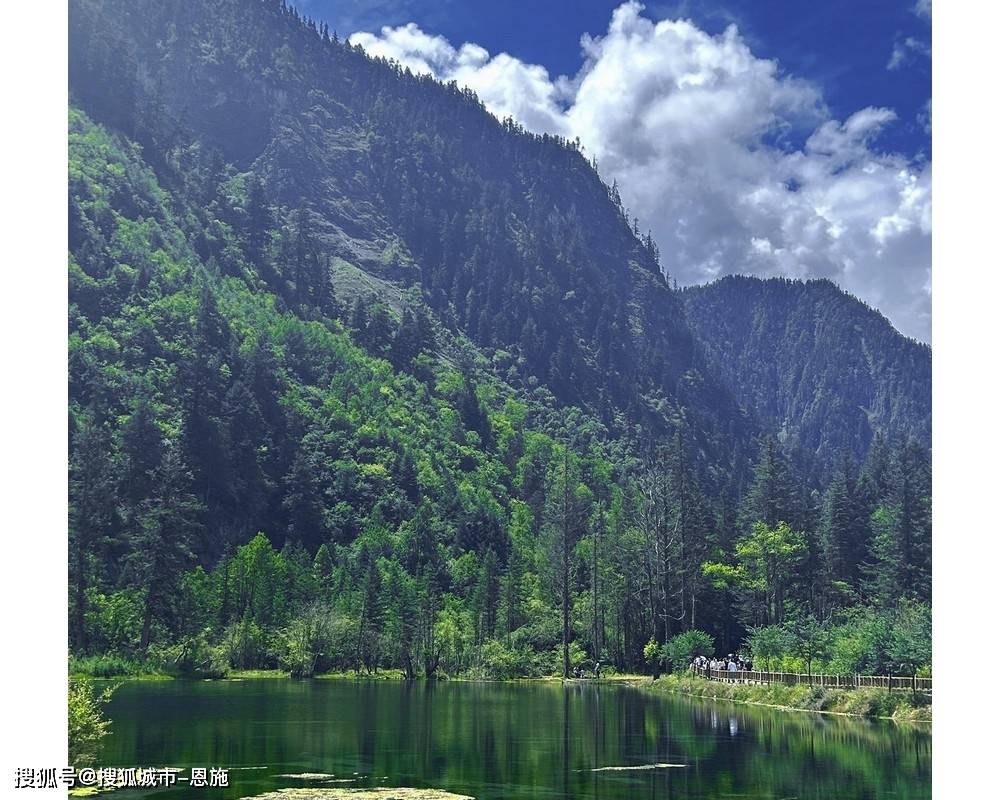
x=163, y=537
x=845, y=525
x=773, y=496
x=92, y=516
x=566, y=509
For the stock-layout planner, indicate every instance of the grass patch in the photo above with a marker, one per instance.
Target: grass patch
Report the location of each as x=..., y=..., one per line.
x=899, y=705
x=351, y=675
x=111, y=666
x=379, y=793
x=245, y=674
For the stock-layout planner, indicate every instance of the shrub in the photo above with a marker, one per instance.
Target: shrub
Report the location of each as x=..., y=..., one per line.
x=109, y=665
x=651, y=651
x=244, y=645
x=680, y=650
x=309, y=643
x=194, y=657
x=87, y=724
x=500, y=662
x=768, y=645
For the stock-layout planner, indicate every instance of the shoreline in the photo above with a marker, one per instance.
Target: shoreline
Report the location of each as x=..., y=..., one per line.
x=386, y=675
x=858, y=703
x=880, y=704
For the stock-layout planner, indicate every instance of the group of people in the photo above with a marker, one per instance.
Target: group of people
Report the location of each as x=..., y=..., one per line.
x=582, y=670
x=731, y=663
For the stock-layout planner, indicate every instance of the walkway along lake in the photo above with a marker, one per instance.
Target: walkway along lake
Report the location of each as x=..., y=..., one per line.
x=504, y=740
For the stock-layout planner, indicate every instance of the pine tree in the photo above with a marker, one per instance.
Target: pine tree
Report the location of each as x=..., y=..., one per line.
x=92, y=515
x=912, y=490
x=690, y=522
x=566, y=511
x=258, y=223
x=875, y=475
x=845, y=526
x=142, y=453
x=900, y=565
x=884, y=570
x=773, y=496
x=371, y=613
x=162, y=540
x=323, y=571
x=303, y=501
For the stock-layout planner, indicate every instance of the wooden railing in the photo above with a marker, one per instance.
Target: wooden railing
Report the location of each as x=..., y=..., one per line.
x=889, y=682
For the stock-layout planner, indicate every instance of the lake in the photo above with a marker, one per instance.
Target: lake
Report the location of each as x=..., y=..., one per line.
x=505, y=740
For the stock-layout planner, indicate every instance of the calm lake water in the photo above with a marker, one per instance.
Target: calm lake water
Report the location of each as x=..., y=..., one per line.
x=492, y=740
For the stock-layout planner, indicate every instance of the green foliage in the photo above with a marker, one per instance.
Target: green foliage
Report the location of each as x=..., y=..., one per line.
x=109, y=665
x=859, y=644
x=680, y=650
x=192, y=657
x=500, y=662
x=87, y=723
x=768, y=643
x=766, y=560
x=871, y=703
x=113, y=621
x=245, y=645
x=910, y=638
x=856, y=641
x=309, y=645
x=809, y=638
x=577, y=658
x=441, y=413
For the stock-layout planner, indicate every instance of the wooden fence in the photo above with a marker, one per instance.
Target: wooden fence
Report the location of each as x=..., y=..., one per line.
x=889, y=682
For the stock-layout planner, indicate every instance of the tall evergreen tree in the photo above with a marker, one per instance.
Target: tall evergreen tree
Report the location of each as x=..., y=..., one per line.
x=93, y=508
x=773, y=496
x=566, y=512
x=163, y=537
x=845, y=526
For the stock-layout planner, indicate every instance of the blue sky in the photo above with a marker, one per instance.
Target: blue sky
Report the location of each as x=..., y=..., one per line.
x=844, y=46
x=796, y=144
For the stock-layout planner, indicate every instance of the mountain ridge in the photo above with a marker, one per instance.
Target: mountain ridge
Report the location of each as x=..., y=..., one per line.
x=361, y=376
x=513, y=237
x=819, y=367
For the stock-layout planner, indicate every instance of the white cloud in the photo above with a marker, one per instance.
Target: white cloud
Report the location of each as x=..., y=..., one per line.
x=903, y=50
x=923, y=8
x=734, y=165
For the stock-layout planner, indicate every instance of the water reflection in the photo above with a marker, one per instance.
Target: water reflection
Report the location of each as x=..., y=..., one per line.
x=510, y=740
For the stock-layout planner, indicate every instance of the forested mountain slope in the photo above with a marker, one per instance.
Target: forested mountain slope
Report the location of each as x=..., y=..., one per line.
x=360, y=376
x=816, y=365
x=512, y=238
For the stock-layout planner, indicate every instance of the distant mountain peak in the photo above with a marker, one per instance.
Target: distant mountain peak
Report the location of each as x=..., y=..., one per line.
x=813, y=362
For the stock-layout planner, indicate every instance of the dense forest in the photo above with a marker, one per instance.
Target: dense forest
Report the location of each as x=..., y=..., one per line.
x=820, y=368
x=363, y=378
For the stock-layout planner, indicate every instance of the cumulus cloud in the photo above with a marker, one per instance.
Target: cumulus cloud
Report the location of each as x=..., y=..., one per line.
x=735, y=166
x=506, y=85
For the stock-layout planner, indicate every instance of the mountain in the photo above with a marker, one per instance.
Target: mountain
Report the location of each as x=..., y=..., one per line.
x=512, y=238
x=816, y=365
x=361, y=375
